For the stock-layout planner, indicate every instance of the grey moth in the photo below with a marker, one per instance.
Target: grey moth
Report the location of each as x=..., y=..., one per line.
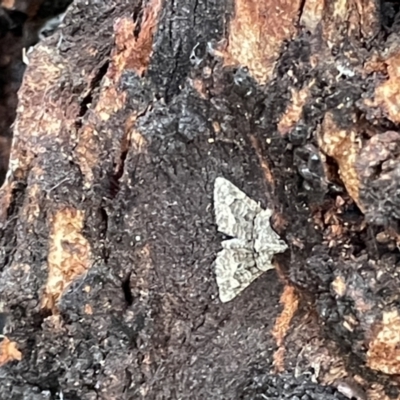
x=249, y=253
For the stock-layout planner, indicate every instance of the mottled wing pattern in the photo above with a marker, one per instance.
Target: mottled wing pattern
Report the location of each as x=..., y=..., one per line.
x=266, y=241
x=234, y=211
x=245, y=257
x=234, y=268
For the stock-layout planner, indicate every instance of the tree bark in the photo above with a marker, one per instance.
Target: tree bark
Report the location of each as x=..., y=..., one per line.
x=126, y=117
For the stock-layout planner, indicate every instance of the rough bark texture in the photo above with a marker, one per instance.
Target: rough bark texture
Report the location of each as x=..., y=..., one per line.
x=126, y=117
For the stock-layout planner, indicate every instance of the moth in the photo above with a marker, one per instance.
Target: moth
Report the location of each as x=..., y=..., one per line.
x=249, y=253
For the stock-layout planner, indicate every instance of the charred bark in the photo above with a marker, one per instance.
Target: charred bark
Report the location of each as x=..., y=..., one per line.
x=126, y=117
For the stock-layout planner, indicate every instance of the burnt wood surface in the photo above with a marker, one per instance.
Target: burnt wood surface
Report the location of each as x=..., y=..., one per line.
x=126, y=116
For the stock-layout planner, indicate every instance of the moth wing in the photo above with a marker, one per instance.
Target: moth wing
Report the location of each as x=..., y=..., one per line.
x=234, y=210
x=266, y=240
x=264, y=261
x=241, y=245
x=235, y=270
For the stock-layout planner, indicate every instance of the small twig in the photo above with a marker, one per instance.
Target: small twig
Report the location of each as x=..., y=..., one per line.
x=58, y=184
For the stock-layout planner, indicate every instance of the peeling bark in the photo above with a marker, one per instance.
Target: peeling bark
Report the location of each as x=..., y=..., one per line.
x=108, y=237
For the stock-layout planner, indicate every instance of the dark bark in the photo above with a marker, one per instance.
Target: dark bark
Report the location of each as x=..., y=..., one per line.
x=108, y=239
